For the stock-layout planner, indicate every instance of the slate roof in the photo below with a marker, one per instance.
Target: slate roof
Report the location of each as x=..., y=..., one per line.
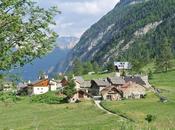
x=79, y=79
x=110, y=88
x=135, y=79
x=116, y=80
x=100, y=82
x=86, y=84
x=132, y=87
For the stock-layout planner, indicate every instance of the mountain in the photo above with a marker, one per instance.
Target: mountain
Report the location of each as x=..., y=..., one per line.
x=66, y=42
x=134, y=29
x=51, y=63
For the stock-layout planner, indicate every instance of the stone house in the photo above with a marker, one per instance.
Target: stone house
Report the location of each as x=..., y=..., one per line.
x=116, y=81
x=132, y=91
x=78, y=82
x=97, y=86
x=111, y=93
x=80, y=95
x=55, y=85
x=135, y=79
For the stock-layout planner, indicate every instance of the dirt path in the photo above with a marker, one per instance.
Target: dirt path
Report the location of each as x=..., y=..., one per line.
x=97, y=102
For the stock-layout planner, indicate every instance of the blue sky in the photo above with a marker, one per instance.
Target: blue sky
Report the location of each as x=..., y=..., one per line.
x=78, y=15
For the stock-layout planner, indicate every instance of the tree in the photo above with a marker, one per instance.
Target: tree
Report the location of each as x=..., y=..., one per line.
x=77, y=67
x=136, y=66
x=24, y=32
x=87, y=67
x=96, y=67
x=163, y=60
x=110, y=67
x=70, y=90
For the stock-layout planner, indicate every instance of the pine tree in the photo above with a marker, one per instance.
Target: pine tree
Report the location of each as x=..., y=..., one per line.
x=163, y=60
x=77, y=67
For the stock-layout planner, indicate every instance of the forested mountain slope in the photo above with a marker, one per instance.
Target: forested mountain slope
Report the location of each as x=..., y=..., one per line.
x=134, y=29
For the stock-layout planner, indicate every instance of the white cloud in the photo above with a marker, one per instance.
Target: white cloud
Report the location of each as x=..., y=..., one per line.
x=78, y=15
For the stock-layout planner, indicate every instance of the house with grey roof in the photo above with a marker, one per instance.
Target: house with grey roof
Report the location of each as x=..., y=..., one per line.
x=97, y=86
x=132, y=91
x=111, y=93
x=78, y=81
x=135, y=79
x=116, y=81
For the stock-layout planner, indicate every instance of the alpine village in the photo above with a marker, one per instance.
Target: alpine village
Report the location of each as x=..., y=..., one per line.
x=118, y=75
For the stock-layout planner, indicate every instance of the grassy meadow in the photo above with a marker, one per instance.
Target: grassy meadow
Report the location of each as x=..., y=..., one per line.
x=163, y=113
x=25, y=115
x=31, y=116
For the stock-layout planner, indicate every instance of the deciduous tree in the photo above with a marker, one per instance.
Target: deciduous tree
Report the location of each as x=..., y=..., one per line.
x=24, y=32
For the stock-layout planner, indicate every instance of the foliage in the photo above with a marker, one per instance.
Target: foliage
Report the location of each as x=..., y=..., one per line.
x=149, y=118
x=110, y=67
x=49, y=98
x=150, y=74
x=77, y=67
x=124, y=45
x=87, y=67
x=123, y=73
x=69, y=90
x=24, y=32
x=8, y=96
x=81, y=68
x=163, y=60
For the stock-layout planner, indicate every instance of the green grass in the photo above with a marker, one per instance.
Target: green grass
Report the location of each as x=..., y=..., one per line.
x=138, y=109
x=86, y=116
x=97, y=76
x=164, y=79
x=152, y=66
x=81, y=116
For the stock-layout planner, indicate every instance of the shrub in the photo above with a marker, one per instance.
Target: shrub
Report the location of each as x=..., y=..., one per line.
x=10, y=96
x=149, y=118
x=150, y=74
x=49, y=98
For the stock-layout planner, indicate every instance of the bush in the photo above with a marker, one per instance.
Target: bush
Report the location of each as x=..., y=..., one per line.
x=149, y=118
x=49, y=98
x=150, y=74
x=8, y=96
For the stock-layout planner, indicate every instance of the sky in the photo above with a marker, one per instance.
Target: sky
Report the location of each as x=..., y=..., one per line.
x=77, y=15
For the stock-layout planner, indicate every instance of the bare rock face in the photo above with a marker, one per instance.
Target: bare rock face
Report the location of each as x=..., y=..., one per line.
x=66, y=42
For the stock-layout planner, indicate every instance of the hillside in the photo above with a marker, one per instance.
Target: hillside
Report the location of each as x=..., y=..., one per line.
x=134, y=29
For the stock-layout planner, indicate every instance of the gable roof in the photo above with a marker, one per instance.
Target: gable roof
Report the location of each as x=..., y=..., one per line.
x=100, y=82
x=40, y=83
x=135, y=79
x=79, y=79
x=116, y=80
x=109, y=89
x=86, y=84
x=131, y=87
